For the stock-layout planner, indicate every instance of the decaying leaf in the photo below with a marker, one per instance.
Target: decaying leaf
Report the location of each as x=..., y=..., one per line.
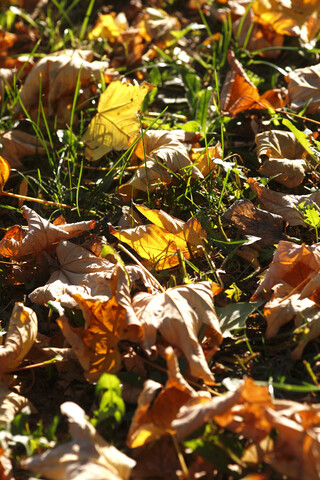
x=282, y=204
x=86, y=456
x=159, y=242
x=253, y=221
x=22, y=332
x=158, y=24
x=39, y=236
x=116, y=119
x=283, y=157
x=153, y=417
x=162, y=152
x=17, y=144
x=56, y=76
x=203, y=159
x=303, y=88
x=178, y=314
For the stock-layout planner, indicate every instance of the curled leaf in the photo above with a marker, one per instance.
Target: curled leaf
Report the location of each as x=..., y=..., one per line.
x=178, y=315
x=22, y=332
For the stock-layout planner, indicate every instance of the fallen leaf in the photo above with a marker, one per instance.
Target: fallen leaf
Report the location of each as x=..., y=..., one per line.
x=17, y=144
x=294, y=281
x=77, y=270
x=162, y=152
x=159, y=242
x=22, y=332
x=109, y=26
x=178, y=315
x=203, y=159
x=56, y=76
x=296, y=18
x=158, y=24
x=86, y=456
x=303, y=89
x=238, y=93
x=107, y=321
x=282, y=204
x=39, y=236
x=116, y=119
x=250, y=220
x=153, y=416
x=283, y=157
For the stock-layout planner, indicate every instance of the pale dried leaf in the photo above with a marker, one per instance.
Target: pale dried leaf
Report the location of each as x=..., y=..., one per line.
x=178, y=315
x=22, y=332
x=161, y=151
x=304, y=87
x=57, y=74
x=283, y=157
x=10, y=405
x=86, y=457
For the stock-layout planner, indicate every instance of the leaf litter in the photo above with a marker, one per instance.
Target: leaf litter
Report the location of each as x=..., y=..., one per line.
x=173, y=308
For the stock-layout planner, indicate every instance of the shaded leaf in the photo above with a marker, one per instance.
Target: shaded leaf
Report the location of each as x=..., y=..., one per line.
x=57, y=75
x=18, y=144
x=284, y=205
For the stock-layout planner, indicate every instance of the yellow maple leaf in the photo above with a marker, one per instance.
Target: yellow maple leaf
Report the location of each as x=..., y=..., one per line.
x=4, y=172
x=160, y=241
x=116, y=119
x=109, y=26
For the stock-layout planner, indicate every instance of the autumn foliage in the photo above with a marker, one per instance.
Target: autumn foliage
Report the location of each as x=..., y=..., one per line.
x=160, y=254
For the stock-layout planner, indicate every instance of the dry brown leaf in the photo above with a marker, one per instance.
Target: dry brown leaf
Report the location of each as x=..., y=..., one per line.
x=178, y=314
x=159, y=242
x=85, y=457
x=303, y=89
x=57, y=76
x=294, y=281
x=296, y=17
x=251, y=220
x=116, y=120
x=282, y=204
x=39, y=236
x=17, y=144
x=153, y=417
x=22, y=332
x=283, y=156
x=161, y=152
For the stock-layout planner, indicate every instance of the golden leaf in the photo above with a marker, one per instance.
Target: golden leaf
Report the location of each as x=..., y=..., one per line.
x=4, y=172
x=116, y=119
